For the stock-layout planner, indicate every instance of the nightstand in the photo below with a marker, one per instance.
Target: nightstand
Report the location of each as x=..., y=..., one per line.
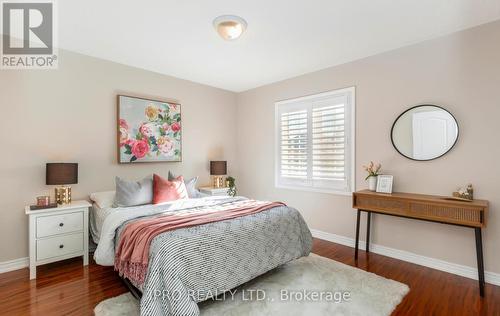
x=58, y=233
x=214, y=191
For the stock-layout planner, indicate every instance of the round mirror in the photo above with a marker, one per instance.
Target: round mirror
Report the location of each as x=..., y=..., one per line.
x=424, y=132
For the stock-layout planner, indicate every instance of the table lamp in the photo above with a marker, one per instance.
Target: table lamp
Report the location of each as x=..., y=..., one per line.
x=62, y=174
x=218, y=169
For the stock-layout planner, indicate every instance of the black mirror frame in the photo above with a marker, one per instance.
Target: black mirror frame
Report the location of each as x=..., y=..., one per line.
x=417, y=106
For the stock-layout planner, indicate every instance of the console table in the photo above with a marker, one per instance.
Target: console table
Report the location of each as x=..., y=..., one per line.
x=424, y=207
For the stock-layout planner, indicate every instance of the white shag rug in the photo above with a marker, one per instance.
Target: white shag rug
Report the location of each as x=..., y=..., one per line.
x=311, y=285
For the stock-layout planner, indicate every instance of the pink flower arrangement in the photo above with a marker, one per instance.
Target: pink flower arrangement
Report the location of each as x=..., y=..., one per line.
x=372, y=169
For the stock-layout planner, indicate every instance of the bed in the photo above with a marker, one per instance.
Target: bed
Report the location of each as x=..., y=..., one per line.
x=193, y=264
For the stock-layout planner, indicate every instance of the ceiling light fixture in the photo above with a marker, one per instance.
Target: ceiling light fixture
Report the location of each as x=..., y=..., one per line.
x=230, y=27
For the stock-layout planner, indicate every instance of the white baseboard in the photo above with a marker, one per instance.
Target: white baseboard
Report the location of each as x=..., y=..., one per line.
x=458, y=269
x=15, y=264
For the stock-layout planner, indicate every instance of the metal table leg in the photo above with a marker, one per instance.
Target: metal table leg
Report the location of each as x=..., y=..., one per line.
x=368, y=220
x=480, y=263
x=357, y=236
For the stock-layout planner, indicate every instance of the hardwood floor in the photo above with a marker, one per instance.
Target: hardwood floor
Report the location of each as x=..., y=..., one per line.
x=432, y=292
x=66, y=288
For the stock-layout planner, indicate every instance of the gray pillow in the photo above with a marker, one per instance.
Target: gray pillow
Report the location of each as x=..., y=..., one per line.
x=190, y=185
x=132, y=193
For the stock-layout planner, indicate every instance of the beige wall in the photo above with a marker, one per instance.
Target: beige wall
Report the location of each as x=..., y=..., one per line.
x=69, y=115
x=460, y=72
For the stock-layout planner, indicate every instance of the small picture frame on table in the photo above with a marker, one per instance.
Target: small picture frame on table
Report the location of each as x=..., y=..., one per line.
x=384, y=184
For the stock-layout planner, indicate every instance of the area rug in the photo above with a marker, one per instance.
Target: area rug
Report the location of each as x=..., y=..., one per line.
x=311, y=285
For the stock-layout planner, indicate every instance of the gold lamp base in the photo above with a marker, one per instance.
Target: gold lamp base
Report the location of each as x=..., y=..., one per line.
x=63, y=195
x=218, y=182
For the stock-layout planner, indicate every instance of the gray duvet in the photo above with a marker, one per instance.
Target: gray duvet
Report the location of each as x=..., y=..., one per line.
x=190, y=265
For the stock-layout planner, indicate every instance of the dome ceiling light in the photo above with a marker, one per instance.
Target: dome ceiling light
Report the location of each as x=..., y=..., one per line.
x=230, y=27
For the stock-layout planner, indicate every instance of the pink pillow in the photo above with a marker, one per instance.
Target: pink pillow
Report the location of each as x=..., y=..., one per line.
x=165, y=191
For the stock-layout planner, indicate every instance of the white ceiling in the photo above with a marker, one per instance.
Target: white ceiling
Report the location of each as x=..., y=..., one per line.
x=285, y=38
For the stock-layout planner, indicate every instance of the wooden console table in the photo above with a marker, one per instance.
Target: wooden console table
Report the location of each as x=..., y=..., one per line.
x=424, y=207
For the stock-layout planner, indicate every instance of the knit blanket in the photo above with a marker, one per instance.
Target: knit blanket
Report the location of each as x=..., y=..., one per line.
x=132, y=252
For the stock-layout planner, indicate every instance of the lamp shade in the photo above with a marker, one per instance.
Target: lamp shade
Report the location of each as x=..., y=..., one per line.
x=61, y=173
x=218, y=168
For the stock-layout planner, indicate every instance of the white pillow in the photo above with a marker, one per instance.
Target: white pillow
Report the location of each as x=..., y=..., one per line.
x=103, y=199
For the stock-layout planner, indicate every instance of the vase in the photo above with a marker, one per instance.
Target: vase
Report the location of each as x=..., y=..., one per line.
x=372, y=183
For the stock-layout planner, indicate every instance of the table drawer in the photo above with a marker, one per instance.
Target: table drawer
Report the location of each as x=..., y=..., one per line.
x=59, y=246
x=440, y=210
x=59, y=224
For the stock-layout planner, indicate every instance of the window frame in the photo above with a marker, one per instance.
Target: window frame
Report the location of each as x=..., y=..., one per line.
x=350, y=135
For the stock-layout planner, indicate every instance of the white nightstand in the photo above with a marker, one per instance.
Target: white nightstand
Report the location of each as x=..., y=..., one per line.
x=58, y=233
x=214, y=191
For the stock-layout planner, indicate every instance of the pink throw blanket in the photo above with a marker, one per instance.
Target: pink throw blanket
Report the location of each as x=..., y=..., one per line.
x=132, y=253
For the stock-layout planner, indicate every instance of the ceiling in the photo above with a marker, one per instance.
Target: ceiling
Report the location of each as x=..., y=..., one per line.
x=285, y=38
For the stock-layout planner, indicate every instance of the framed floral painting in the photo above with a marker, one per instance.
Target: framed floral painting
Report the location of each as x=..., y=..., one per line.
x=148, y=130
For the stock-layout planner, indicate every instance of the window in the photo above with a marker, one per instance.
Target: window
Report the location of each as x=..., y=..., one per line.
x=315, y=142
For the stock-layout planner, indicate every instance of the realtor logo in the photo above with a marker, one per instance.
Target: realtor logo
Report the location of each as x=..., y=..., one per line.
x=28, y=30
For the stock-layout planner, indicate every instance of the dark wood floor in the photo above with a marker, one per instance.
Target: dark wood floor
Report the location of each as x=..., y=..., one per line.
x=66, y=288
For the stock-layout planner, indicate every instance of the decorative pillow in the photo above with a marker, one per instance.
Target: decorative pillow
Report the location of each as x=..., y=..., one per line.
x=103, y=199
x=192, y=191
x=132, y=193
x=166, y=191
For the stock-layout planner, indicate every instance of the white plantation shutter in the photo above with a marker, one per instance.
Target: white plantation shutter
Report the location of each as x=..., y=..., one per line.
x=314, y=148
x=294, y=144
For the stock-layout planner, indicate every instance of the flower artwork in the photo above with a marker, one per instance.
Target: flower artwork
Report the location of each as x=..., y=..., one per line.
x=148, y=130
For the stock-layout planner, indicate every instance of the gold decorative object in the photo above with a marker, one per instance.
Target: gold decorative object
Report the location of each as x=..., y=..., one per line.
x=465, y=193
x=218, y=182
x=63, y=195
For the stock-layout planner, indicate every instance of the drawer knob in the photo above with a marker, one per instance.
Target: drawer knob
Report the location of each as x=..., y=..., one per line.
x=61, y=246
x=61, y=224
